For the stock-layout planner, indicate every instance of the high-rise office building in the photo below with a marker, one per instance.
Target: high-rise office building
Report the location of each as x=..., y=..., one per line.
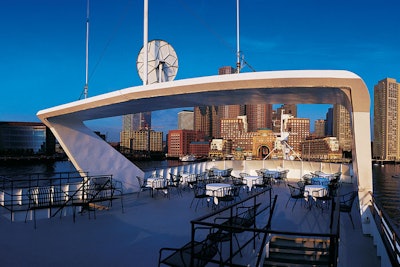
x=186, y=120
x=319, y=128
x=386, y=120
x=259, y=116
x=136, y=122
x=342, y=127
x=203, y=120
x=299, y=130
x=329, y=122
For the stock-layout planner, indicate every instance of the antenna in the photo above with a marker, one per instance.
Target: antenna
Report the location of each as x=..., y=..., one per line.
x=237, y=39
x=145, y=41
x=85, y=89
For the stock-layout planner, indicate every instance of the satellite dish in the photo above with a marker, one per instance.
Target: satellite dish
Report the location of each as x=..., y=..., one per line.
x=162, y=62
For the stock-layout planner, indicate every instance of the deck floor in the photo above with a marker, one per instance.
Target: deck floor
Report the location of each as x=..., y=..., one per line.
x=134, y=237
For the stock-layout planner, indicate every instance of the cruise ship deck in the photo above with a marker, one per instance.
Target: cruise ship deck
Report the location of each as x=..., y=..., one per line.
x=135, y=236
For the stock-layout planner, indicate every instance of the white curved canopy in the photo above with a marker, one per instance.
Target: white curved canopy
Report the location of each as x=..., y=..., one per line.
x=90, y=153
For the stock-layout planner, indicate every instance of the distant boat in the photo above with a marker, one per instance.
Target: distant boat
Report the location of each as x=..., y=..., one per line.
x=188, y=158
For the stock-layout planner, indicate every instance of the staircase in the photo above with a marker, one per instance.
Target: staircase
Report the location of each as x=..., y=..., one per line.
x=298, y=251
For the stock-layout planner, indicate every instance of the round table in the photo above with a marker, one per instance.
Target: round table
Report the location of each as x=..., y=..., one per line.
x=252, y=180
x=315, y=190
x=217, y=190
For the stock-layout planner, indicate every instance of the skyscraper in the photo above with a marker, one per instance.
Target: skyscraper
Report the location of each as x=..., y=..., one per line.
x=342, y=127
x=259, y=116
x=386, y=120
x=319, y=128
x=186, y=120
x=136, y=122
x=329, y=122
x=203, y=120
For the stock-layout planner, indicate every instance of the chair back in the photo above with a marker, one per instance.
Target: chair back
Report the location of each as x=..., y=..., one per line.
x=295, y=191
x=140, y=181
x=209, y=248
x=347, y=200
x=199, y=190
x=250, y=214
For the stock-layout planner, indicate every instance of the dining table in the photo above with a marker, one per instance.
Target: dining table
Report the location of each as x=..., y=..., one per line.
x=156, y=183
x=216, y=190
x=252, y=180
x=313, y=191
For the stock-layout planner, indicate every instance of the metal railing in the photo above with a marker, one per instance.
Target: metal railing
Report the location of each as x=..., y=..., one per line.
x=266, y=231
x=208, y=222
x=33, y=191
x=390, y=235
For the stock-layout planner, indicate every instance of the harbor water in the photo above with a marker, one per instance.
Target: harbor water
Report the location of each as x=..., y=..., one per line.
x=386, y=178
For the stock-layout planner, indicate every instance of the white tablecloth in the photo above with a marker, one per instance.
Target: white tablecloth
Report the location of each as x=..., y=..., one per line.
x=188, y=177
x=217, y=190
x=250, y=181
x=315, y=190
x=155, y=182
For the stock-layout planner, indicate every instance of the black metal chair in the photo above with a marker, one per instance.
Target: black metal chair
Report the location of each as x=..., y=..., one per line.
x=230, y=195
x=346, y=204
x=296, y=193
x=245, y=218
x=143, y=185
x=175, y=181
x=199, y=190
x=323, y=198
x=196, y=253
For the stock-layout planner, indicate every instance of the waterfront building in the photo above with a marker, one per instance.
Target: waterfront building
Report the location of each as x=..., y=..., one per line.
x=326, y=149
x=199, y=148
x=216, y=148
x=234, y=129
x=186, y=120
x=386, y=120
x=179, y=141
x=143, y=142
x=26, y=139
x=342, y=127
x=319, y=128
x=263, y=143
x=299, y=130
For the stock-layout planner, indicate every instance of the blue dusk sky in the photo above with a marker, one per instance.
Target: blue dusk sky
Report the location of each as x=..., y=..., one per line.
x=42, y=62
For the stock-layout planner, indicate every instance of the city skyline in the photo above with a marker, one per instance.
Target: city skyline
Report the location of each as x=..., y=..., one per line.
x=43, y=48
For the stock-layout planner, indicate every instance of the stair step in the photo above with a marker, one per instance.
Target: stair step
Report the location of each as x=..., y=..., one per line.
x=298, y=251
x=300, y=260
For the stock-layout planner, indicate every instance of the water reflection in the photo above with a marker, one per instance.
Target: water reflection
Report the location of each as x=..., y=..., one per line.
x=387, y=189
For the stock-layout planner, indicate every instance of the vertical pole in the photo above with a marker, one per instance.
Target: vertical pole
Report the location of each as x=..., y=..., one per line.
x=145, y=40
x=85, y=93
x=237, y=38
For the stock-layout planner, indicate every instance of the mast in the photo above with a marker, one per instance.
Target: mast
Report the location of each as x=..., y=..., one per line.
x=237, y=38
x=145, y=40
x=86, y=88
